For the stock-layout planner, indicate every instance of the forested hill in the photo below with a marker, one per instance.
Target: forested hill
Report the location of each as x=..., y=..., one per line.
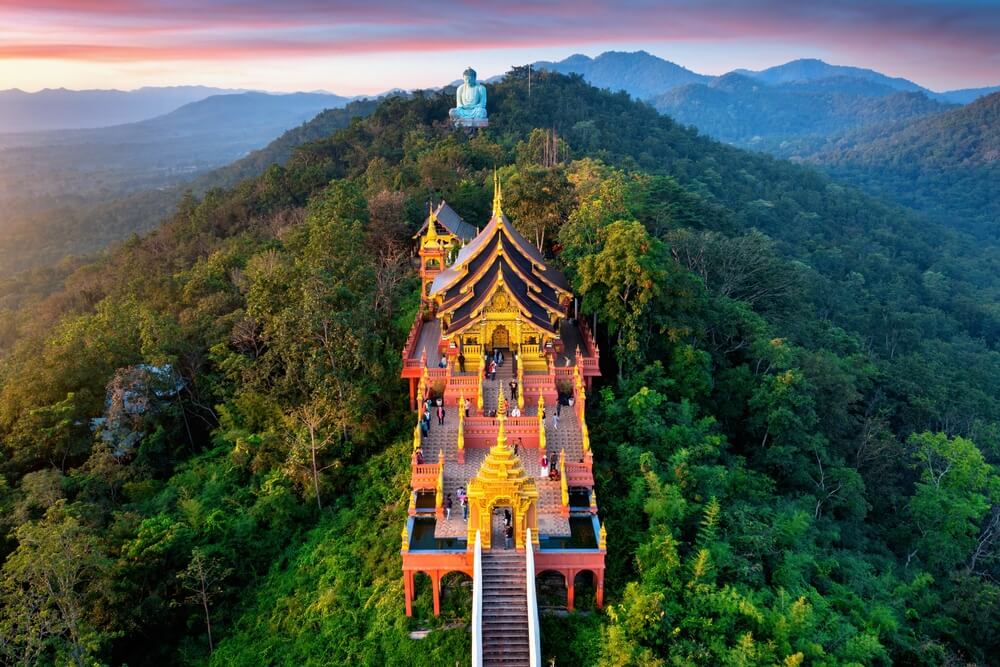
x=796, y=439
x=948, y=163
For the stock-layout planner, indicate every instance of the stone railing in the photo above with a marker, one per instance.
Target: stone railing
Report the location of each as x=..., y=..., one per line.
x=588, y=339
x=411, y=339
x=424, y=476
x=482, y=431
x=477, y=602
x=534, y=632
x=579, y=474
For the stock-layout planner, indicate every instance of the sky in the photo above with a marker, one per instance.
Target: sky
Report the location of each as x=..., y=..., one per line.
x=363, y=47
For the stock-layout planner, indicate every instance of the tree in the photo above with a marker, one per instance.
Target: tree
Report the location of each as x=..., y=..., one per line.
x=311, y=436
x=537, y=199
x=620, y=281
x=952, y=497
x=49, y=591
x=201, y=578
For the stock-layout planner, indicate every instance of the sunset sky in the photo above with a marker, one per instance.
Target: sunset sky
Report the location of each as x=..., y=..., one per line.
x=366, y=47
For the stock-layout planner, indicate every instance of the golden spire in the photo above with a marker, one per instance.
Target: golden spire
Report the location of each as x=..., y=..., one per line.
x=502, y=418
x=430, y=238
x=497, y=194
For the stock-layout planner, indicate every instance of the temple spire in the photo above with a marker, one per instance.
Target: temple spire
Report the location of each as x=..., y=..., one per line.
x=501, y=418
x=497, y=194
x=431, y=236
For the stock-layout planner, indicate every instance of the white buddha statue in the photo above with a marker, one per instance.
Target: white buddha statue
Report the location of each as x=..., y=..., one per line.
x=470, y=101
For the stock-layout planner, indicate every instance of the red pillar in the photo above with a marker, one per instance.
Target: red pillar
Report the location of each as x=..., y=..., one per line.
x=600, y=589
x=413, y=394
x=436, y=582
x=570, y=576
x=408, y=591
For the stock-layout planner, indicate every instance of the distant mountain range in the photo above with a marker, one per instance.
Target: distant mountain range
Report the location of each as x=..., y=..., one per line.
x=59, y=108
x=645, y=76
x=947, y=164
x=150, y=153
x=788, y=110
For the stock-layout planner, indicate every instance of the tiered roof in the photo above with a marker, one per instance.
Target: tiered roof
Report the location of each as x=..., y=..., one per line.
x=501, y=258
x=448, y=222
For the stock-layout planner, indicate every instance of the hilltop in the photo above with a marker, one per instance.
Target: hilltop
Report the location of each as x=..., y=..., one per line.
x=797, y=434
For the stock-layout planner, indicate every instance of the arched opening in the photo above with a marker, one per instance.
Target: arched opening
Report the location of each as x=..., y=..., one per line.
x=501, y=516
x=585, y=590
x=432, y=264
x=550, y=587
x=456, y=596
x=423, y=596
x=501, y=337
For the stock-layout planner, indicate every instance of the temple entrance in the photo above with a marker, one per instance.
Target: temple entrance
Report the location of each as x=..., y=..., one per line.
x=501, y=337
x=498, y=526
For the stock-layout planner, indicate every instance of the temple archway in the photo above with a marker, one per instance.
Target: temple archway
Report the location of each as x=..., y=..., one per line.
x=456, y=595
x=502, y=481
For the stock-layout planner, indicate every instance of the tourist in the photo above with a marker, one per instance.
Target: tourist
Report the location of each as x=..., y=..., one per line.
x=420, y=456
x=513, y=390
x=444, y=362
x=461, y=362
x=427, y=419
x=447, y=507
x=559, y=402
x=543, y=466
x=517, y=446
x=465, y=508
x=468, y=406
x=506, y=516
x=508, y=537
x=493, y=370
x=499, y=357
x=515, y=411
x=440, y=415
x=555, y=420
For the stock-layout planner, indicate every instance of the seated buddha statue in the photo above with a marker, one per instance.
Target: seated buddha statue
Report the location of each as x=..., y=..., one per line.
x=470, y=100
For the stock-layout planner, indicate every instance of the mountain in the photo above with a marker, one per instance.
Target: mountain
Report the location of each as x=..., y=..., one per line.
x=639, y=73
x=966, y=95
x=780, y=118
x=54, y=109
x=74, y=192
x=811, y=69
x=794, y=439
x=947, y=164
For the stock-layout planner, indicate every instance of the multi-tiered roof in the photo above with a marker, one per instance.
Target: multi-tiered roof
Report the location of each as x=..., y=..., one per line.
x=500, y=258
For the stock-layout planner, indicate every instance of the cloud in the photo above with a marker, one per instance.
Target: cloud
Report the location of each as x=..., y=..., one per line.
x=961, y=36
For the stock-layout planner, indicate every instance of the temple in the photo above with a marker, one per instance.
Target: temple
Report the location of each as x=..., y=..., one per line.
x=514, y=442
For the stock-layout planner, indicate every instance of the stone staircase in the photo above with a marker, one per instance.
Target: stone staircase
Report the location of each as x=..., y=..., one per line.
x=505, y=608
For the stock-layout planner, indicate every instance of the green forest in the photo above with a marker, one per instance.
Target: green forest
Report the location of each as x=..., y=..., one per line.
x=796, y=436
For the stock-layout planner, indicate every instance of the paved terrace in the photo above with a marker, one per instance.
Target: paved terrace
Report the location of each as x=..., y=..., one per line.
x=568, y=436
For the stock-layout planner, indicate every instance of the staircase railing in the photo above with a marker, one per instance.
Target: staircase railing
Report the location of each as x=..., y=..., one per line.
x=477, y=603
x=534, y=632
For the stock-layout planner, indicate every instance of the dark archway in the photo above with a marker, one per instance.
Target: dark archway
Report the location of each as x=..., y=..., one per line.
x=585, y=590
x=550, y=587
x=456, y=596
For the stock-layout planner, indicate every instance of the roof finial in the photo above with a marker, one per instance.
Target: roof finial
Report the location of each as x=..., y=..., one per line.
x=497, y=194
x=431, y=236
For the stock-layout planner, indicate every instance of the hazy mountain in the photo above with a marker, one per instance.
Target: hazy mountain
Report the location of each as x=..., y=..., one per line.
x=782, y=118
x=947, y=164
x=811, y=69
x=645, y=76
x=43, y=230
x=151, y=153
x=966, y=95
x=640, y=74
x=59, y=108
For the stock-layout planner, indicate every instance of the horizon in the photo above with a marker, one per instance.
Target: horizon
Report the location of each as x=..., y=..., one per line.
x=304, y=45
x=483, y=76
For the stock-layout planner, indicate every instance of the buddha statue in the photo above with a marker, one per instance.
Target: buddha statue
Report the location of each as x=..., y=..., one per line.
x=470, y=101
